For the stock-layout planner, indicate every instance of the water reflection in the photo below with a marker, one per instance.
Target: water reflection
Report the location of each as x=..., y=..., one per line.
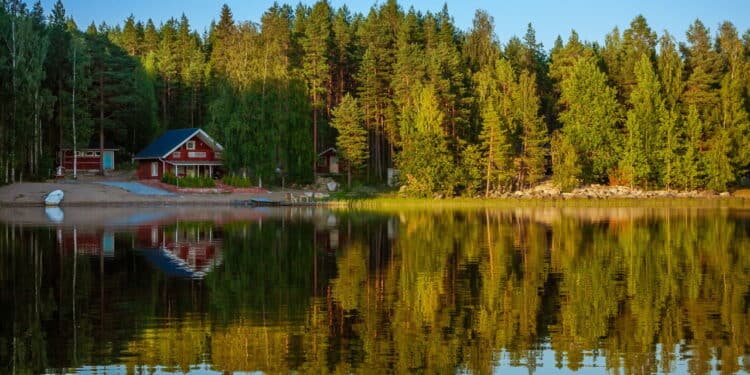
x=310, y=290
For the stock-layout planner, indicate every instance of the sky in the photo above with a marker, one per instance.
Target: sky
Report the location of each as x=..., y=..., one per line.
x=592, y=19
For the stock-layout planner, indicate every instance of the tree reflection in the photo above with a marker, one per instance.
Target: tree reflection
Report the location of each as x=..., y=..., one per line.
x=635, y=290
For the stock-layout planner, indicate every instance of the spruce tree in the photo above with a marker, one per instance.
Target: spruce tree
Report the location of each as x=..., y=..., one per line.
x=534, y=139
x=639, y=164
x=590, y=119
x=352, y=138
x=692, y=164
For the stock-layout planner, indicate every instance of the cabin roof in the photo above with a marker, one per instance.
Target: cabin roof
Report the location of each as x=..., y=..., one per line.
x=328, y=151
x=172, y=140
x=93, y=145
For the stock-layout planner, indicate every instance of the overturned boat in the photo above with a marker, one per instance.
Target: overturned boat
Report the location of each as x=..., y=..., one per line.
x=53, y=198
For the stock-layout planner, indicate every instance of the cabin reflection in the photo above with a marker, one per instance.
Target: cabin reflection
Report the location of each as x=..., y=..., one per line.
x=86, y=241
x=187, y=250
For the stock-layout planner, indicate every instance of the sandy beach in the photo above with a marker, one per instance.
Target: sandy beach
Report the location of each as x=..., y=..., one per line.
x=80, y=193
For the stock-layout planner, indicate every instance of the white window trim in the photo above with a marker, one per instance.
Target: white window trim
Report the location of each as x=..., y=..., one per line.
x=190, y=145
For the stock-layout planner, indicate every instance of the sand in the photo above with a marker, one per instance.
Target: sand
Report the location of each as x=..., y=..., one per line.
x=79, y=193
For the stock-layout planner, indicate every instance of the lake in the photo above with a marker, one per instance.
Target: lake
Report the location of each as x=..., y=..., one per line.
x=312, y=290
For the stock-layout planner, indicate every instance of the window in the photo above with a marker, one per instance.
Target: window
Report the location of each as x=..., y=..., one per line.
x=177, y=154
x=155, y=169
x=190, y=145
x=196, y=154
x=217, y=155
x=89, y=154
x=79, y=154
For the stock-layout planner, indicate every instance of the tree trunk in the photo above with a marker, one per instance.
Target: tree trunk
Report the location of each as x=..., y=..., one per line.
x=101, y=123
x=349, y=175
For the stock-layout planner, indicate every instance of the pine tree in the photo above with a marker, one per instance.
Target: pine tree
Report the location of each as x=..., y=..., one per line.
x=639, y=164
x=692, y=165
x=424, y=160
x=481, y=48
x=566, y=169
x=167, y=64
x=316, y=44
x=534, y=138
x=352, y=139
x=733, y=96
x=221, y=38
x=130, y=40
x=496, y=88
x=497, y=146
x=670, y=68
x=150, y=38
x=637, y=41
x=669, y=142
x=719, y=171
x=702, y=67
x=590, y=119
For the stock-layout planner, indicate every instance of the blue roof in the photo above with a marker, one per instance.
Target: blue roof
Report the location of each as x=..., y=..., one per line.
x=166, y=143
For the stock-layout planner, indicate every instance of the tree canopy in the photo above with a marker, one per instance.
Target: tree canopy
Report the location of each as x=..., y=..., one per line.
x=641, y=110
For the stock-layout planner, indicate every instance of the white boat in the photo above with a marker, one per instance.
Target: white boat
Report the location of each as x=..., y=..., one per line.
x=54, y=214
x=53, y=198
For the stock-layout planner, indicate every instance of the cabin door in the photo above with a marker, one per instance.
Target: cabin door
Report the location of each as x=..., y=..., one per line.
x=109, y=160
x=334, y=167
x=155, y=169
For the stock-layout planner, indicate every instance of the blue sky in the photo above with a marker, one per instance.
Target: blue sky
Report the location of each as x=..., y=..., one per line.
x=591, y=19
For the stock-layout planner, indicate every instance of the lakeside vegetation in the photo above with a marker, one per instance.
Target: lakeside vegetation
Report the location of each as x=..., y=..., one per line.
x=457, y=112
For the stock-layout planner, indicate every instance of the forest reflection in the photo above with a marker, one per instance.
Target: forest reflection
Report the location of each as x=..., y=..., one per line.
x=627, y=290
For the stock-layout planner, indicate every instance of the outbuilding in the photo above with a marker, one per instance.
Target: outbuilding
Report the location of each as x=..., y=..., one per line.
x=89, y=158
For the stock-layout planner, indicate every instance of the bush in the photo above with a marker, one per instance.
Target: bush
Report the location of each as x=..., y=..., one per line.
x=236, y=181
x=188, y=182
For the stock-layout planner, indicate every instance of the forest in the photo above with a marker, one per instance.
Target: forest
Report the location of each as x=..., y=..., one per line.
x=456, y=112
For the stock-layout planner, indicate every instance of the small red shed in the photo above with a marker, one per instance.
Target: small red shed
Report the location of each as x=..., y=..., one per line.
x=182, y=152
x=328, y=162
x=89, y=158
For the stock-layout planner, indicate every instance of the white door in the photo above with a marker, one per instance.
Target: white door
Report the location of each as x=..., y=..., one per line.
x=334, y=167
x=155, y=169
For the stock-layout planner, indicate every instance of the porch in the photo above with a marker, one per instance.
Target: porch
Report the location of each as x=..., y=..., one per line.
x=194, y=168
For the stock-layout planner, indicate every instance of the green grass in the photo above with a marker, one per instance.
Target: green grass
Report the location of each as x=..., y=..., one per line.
x=391, y=202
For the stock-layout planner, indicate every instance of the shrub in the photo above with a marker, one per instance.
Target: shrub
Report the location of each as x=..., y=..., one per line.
x=188, y=182
x=236, y=181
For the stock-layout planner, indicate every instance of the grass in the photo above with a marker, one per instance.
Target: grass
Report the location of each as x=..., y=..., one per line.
x=390, y=202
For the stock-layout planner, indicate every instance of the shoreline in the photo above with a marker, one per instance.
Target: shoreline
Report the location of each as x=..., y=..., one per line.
x=93, y=194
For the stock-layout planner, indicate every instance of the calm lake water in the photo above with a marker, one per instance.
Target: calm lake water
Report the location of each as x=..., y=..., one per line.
x=220, y=290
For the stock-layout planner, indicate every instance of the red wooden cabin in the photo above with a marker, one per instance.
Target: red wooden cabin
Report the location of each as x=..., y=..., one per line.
x=182, y=152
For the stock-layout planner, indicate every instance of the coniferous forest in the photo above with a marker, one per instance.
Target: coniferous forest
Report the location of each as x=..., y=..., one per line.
x=457, y=112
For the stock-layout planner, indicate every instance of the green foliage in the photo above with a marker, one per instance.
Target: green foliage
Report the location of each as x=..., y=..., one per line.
x=692, y=165
x=590, y=119
x=717, y=161
x=267, y=90
x=426, y=166
x=188, y=181
x=566, y=169
x=644, y=122
x=236, y=181
x=352, y=139
x=471, y=171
